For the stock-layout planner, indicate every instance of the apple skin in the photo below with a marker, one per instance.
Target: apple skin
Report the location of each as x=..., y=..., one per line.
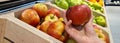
x=56, y=29
x=100, y=20
x=45, y=25
x=38, y=27
x=51, y=17
x=30, y=16
x=41, y=9
x=79, y=14
x=54, y=11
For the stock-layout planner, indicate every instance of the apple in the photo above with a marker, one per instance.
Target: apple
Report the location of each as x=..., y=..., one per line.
x=100, y=33
x=30, y=16
x=51, y=17
x=61, y=19
x=38, y=27
x=71, y=40
x=100, y=20
x=54, y=11
x=74, y=2
x=64, y=37
x=62, y=4
x=94, y=21
x=41, y=9
x=56, y=29
x=79, y=14
x=45, y=25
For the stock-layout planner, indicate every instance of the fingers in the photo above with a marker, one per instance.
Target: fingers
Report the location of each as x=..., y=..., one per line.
x=68, y=23
x=89, y=30
x=75, y=34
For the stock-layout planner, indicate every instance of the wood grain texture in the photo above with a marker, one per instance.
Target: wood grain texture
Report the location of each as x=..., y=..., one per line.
x=2, y=29
x=20, y=32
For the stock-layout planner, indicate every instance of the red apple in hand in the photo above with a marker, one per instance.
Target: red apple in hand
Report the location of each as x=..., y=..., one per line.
x=41, y=9
x=56, y=29
x=30, y=16
x=79, y=14
x=54, y=11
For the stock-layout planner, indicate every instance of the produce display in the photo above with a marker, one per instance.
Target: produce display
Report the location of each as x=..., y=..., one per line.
x=101, y=33
x=95, y=5
x=100, y=20
x=50, y=21
x=45, y=19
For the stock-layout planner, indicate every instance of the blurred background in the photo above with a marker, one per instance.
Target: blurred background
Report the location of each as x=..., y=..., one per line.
x=113, y=12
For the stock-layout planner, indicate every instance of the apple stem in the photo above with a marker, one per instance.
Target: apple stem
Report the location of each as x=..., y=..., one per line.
x=52, y=17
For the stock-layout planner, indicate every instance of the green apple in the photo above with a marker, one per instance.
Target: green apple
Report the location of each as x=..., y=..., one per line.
x=51, y=17
x=94, y=21
x=100, y=21
x=70, y=40
x=74, y=2
x=96, y=6
x=62, y=4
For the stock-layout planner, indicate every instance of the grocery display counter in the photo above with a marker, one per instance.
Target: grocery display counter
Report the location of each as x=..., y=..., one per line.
x=14, y=29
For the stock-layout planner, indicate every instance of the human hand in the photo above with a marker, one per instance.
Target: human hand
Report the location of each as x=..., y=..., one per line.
x=86, y=35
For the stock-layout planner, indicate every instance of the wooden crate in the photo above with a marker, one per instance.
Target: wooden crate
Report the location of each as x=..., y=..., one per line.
x=2, y=29
x=18, y=31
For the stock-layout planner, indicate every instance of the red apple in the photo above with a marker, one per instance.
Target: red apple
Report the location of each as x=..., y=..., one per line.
x=54, y=11
x=79, y=14
x=56, y=29
x=41, y=9
x=30, y=16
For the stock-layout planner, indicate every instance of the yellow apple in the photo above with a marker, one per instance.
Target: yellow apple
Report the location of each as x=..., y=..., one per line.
x=51, y=17
x=61, y=19
x=44, y=26
x=41, y=9
x=100, y=33
x=56, y=29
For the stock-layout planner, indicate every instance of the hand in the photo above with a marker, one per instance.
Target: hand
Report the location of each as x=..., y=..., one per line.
x=86, y=35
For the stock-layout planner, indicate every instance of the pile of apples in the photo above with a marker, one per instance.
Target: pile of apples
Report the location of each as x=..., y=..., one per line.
x=50, y=21
x=101, y=34
x=45, y=19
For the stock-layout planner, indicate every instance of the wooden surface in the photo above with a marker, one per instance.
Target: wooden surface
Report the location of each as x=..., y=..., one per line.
x=20, y=32
x=2, y=29
x=6, y=41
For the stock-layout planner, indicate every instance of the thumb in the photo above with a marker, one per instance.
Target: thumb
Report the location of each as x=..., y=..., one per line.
x=75, y=34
